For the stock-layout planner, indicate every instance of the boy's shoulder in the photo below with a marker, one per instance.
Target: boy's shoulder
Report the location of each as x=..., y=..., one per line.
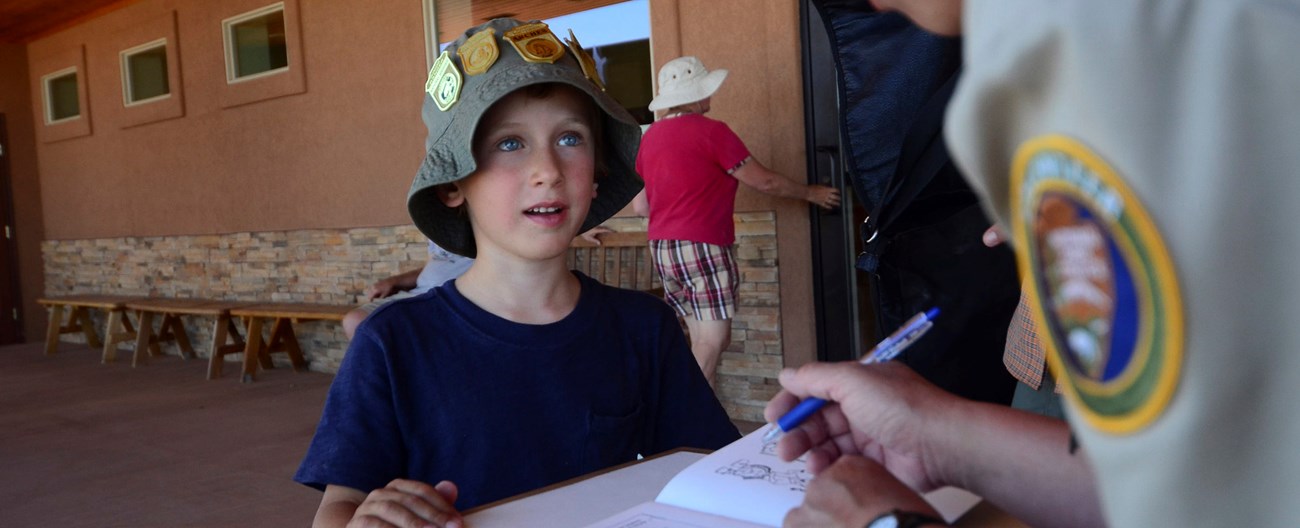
x=407, y=309
x=635, y=299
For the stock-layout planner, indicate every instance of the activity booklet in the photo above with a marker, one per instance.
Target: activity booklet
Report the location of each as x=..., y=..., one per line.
x=744, y=484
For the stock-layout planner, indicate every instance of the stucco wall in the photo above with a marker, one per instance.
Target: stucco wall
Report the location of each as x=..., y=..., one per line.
x=339, y=154
x=341, y=150
x=28, y=222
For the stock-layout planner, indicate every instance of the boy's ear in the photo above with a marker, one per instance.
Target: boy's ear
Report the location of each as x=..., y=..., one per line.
x=450, y=194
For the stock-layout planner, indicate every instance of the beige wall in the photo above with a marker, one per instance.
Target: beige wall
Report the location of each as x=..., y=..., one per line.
x=341, y=153
x=28, y=224
x=762, y=100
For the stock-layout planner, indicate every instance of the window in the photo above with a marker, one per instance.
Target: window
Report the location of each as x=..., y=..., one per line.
x=255, y=44
x=144, y=73
x=62, y=102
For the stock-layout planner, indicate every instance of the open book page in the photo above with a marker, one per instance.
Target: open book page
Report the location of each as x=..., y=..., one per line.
x=657, y=515
x=745, y=480
x=745, y=485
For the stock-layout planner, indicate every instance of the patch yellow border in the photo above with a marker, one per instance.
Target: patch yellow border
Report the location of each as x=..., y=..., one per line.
x=1166, y=286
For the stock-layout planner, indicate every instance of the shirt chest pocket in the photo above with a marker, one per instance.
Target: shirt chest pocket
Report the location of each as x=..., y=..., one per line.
x=613, y=438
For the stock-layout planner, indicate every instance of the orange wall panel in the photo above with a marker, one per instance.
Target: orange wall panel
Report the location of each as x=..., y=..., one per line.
x=338, y=152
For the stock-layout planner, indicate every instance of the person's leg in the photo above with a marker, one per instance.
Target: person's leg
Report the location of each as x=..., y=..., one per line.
x=708, y=340
x=701, y=282
x=714, y=285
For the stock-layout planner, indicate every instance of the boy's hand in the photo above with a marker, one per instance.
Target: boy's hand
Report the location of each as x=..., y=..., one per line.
x=409, y=504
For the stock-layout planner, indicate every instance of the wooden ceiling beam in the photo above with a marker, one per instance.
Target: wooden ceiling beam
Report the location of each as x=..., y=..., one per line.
x=22, y=21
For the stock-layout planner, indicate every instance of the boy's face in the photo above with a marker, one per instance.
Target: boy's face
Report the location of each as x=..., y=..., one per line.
x=535, y=177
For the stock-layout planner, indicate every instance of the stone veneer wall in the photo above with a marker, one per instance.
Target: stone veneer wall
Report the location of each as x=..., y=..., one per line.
x=333, y=266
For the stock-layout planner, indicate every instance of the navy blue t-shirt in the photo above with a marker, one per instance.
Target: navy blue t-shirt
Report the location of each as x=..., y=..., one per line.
x=435, y=388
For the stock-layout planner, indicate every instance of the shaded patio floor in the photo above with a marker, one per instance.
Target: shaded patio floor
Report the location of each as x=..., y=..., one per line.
x=87, y=444
x=94, y=445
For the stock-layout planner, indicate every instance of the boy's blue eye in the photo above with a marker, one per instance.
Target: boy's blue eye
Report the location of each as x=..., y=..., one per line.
x=510, y=145
x=570, y=140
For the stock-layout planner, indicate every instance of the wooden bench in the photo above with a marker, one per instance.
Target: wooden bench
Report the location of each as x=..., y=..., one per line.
x=225, y=332
x=621, y=259
x=283, y=315
x=78, y=308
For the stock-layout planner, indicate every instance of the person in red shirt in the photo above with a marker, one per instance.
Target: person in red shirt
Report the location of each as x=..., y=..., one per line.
x=692, y=166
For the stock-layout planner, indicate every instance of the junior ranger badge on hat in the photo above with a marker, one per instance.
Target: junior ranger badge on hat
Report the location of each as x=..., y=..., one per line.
x=443, y=84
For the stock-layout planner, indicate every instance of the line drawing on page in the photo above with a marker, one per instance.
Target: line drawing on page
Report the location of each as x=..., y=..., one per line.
x=769, y=449
x=795, y=479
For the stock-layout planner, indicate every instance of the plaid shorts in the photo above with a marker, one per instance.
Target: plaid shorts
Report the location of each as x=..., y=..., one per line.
x=699, y=279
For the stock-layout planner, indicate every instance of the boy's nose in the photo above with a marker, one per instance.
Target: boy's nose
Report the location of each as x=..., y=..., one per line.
x=546, y=168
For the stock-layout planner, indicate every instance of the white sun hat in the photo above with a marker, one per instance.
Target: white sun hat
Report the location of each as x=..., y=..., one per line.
x=685, y=80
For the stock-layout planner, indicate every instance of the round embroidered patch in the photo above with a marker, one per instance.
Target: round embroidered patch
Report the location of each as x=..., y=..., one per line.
x=1103, y=286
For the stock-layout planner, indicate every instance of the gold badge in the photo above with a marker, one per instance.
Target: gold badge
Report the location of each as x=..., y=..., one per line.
x=479, y=52
x=444, y=82
x=535, y=43
x=584, y=58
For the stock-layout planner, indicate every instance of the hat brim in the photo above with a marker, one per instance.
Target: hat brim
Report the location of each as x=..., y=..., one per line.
x=699, y=90
x=449, y=149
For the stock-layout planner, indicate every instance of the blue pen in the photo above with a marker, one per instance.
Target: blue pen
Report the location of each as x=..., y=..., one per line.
x=888, y=349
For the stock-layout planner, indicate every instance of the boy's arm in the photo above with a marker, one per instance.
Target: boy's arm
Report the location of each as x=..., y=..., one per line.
x=337, y=506
x=400, y=503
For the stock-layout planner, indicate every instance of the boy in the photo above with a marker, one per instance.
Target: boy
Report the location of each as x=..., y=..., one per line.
x=520, y=373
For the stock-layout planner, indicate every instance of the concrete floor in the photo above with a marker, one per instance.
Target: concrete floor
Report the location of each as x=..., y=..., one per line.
x=94, y=445
x=87, y=444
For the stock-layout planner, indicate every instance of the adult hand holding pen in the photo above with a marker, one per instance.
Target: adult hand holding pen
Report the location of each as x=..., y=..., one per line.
x=879, y=411
x=872, y=435
x=927, y=438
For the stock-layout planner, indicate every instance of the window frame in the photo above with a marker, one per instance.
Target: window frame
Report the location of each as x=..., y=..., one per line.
x=227, y=41
x=46, y=98
x=124, y=59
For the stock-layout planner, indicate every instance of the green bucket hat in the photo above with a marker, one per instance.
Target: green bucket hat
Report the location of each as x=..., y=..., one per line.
x=485, y=64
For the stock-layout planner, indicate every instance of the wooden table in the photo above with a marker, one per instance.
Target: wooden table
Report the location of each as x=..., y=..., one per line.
x=79, y=307
x=601, y=494
x=282, y=315
x=225, y=333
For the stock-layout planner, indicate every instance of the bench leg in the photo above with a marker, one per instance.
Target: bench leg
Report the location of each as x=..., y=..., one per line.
x=224, y=330
x=53, y=330
x=283, y=338
x=81, y=315
x=252, y=348
x=143, y=338
x=215, y=358
x=173, y=322
x=110, y=346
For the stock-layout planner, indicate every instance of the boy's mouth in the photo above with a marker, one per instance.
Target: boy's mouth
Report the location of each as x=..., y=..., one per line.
x=548, y=210
x=548, y=214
